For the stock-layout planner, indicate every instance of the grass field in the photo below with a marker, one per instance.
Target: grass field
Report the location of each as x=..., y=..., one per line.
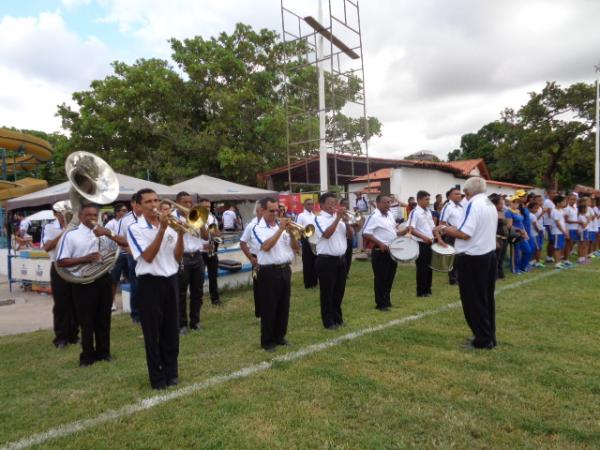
x=411, y=385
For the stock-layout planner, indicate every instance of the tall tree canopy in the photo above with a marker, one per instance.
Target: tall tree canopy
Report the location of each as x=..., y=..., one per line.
x=220, y=112
x=548, y=141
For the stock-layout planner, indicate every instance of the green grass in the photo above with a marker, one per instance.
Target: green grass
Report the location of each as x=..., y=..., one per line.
x=409, y=386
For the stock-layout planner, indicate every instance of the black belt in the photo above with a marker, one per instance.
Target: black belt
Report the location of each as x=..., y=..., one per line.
x=332, y=256
x=192, y=254
x=275, y=266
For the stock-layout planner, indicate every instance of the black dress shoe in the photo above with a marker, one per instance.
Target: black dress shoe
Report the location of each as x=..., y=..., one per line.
x=159, y=387
x=106, y=358
x=61, y=344
x=216, y=302
x=283, y=342
x=270, y=348
x=86, y=363
x=471, y=346
x=173, y=382
x=335, y=326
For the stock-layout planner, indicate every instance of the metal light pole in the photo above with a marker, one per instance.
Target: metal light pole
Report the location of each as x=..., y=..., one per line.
x=597, y=165
x=324, y=173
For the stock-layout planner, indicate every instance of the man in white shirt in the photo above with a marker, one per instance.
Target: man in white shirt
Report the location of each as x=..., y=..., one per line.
x=250, y=247
x=548, y=207
x=420, y=224
x=380, y=231
x=277, y=248
x=451, y=214
x=307, y=217
x=120, y=268
x=77, y=248
x=210, y=256
x=230, y=220
x=158, y=250
x=476, y=259
x=191, y=271
x=122, y=227
x=66, y=328
x=333, y=235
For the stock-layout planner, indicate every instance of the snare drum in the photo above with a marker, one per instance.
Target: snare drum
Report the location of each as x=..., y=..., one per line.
x=404, y=249
x=442, y=258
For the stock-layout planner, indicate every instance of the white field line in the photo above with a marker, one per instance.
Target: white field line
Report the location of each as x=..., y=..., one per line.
x=151, y=402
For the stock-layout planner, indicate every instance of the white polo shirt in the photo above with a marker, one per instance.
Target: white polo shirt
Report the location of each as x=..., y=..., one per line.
x=383, y=228
x=479, y=222
x=50, y=231
x=75, y=243
x=248, y=237
x=557, y=216
x=191, y=243
x=571, y=214
x=548, y=204
x=337, y=243
x=305, y=218
x=113, y=225
x=452, y=213
x=211, y=219
x=140, y=235
x=229, y=219
x=280, y=253
x=422, y=221
x=124, y=223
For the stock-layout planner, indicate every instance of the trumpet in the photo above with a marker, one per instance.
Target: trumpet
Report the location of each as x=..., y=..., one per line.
x=298, y=231
x=354, y=218
x=196, y=218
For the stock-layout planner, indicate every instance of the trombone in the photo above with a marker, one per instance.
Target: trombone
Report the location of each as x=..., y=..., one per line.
x=298, y=231
x=196, y=218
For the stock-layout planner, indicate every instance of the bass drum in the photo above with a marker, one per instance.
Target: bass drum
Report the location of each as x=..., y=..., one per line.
x=404, y=249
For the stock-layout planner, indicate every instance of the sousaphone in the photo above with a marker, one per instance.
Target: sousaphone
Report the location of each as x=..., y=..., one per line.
x=92, y=181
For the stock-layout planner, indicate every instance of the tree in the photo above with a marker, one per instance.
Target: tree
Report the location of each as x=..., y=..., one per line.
x=224, y=115
x=548, y=141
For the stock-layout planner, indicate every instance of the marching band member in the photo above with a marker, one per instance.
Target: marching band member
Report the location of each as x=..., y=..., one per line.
x=276, y=253
x=93, y=301
x=191, y=272
x=333, y=234
x=64, y=314
x=350, y=240
x=420, y=224
x=120, y=268
x=476, y=259
x=450, y=216
x=158, y=250
x=380, y=229
x=250, y=247
x=307, y=217
x=128, y=219
x=210, y=257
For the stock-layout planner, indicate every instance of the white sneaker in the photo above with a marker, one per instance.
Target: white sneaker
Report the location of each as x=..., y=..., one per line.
x=549, y=259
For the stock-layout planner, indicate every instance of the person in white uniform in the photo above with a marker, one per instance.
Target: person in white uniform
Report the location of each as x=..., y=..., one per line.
x=475, y=246
x=250, y=247
x=210, y=256
x=66, y=327
x=277, y=248
x=309, y=259
x=451, y=214
x=158, y=251
x=333, y=235
x=77, y=248
x=124, y=223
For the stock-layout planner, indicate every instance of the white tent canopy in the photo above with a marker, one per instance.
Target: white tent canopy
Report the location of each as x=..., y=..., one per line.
x=44, y=214
x=216, y=189
x=127, y=187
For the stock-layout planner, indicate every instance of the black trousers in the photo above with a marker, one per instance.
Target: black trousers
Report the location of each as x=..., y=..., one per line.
x=191, y=274
x=501, y=256
x=212, y=267
x=255, y=290
x=308, y=265
x=452, y=275
x=93, y=302
x=275, y=289
x=331, y=271
x=477, y=282
x=157, y=302
x=424, y=272
x=66, y=327
x=384, y=271
x=348, y=255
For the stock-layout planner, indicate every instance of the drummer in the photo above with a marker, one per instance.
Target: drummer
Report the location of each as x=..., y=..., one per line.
x=450, y=216
x=380, y=230
x=420, y=224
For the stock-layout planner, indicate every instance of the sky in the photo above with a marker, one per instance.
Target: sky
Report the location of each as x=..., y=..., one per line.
x=434, y=69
